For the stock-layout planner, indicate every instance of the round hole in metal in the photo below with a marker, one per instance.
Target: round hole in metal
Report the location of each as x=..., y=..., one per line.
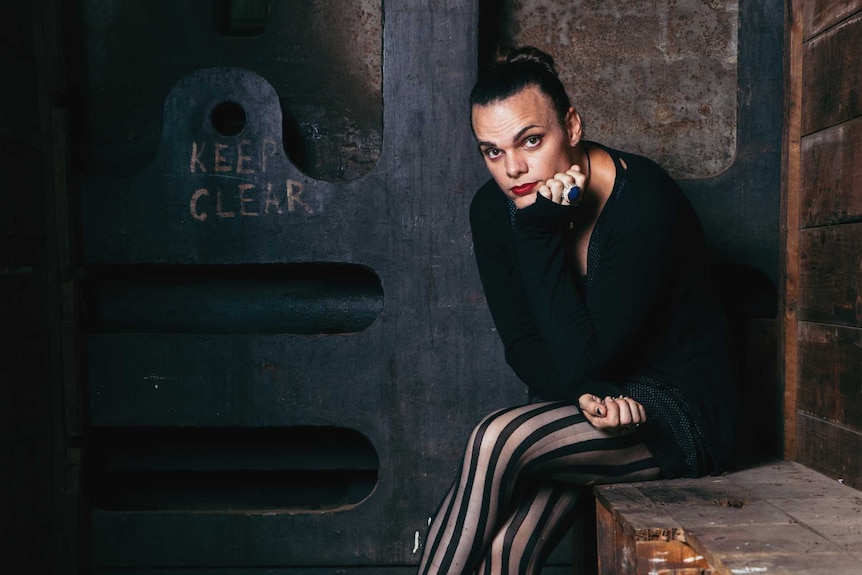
x=228, y=118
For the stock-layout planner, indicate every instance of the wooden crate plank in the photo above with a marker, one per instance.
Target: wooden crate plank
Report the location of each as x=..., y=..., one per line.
x=748, y=562
x=789, y=480
x=818, y=15
x=606, y=526
x=669, y=557
x=836, y=519
x=831, y=449
x=636, y=512
x=711, y=515
x=831, y=175
x=830, y=368
x=830, y=274
x=778, y=517
x=832, y=76
x=776, y=547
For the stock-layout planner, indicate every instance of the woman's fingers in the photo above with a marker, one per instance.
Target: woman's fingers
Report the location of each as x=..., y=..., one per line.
x=621, y=413
x=557, y=189
x=624, y=412
x=592, y=405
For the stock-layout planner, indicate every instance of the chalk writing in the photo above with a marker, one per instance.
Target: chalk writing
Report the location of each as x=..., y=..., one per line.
x=241, y=158
x=240, y=199
x=248, y=200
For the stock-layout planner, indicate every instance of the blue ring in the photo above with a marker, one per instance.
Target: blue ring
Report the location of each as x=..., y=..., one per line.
x=573, y=194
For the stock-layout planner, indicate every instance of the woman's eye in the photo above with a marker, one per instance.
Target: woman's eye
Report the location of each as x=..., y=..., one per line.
x=533, y=141
x=492, y=153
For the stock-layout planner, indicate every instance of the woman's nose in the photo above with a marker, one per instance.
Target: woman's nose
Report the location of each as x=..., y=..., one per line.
x=515, y=165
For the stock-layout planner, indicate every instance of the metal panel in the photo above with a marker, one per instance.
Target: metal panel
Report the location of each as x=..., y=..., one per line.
x=413, y=382
x=189, y=192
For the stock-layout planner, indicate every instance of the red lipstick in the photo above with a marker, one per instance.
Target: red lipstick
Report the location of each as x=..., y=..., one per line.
x=524, y=189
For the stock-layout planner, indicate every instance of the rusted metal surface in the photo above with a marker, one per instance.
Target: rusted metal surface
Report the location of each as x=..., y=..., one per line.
x=653, y=76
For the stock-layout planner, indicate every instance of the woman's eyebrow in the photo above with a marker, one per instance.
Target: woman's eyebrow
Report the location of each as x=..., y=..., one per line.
x=515, y=139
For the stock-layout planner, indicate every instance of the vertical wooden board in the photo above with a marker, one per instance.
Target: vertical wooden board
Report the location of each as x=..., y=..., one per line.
x=789, y=224
x=818, y=15
x=606, y=527
x=830, y=274
x=831, y=175
x=626, y=550
x=830, y=449
x=832, y=76
x=830, y=368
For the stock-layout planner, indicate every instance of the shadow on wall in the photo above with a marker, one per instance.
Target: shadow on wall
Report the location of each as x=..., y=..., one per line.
x=750, y=302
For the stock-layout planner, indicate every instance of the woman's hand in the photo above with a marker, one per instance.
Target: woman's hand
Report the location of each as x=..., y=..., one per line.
x=612, y=413
x=556, y=189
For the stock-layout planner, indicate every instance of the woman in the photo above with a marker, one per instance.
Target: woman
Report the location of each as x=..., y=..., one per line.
x=596, y=274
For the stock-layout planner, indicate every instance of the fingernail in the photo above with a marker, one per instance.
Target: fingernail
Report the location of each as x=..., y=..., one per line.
x=599, y=411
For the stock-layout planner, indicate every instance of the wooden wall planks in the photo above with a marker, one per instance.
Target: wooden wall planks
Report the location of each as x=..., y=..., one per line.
x=817, y=15
x=830, y=279
x=832, y=76
x=829, y=360
x=832, y=175
x=824, y=270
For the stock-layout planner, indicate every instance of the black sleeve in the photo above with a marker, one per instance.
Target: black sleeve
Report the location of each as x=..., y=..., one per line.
x=583, y=338
x=525, y=349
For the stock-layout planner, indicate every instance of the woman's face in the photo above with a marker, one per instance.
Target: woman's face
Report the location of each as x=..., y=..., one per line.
x=523, y=143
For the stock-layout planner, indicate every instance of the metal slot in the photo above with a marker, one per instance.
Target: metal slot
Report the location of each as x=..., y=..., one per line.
x=226, y=469
x=232, y=299
x=240, y=18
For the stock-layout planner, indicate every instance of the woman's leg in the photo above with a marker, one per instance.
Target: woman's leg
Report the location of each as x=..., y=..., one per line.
x=524, y=541
x=544, y=440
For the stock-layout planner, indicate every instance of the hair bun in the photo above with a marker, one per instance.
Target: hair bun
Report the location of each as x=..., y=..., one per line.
x=529, y=55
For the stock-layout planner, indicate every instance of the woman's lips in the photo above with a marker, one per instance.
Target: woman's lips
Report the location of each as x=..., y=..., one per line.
x=524, y=189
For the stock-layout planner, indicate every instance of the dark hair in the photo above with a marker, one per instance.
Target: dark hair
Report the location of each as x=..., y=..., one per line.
x=515, y=69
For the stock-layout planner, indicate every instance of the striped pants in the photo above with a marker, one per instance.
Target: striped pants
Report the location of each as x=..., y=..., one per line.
x=523, y=472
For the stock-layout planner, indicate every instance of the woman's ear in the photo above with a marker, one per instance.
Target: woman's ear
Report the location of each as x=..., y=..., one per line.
x=574, y=127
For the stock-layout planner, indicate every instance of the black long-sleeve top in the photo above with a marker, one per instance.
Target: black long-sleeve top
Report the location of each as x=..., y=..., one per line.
x=646, y=309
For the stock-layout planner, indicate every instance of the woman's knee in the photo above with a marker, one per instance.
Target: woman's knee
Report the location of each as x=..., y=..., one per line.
x=491, y=430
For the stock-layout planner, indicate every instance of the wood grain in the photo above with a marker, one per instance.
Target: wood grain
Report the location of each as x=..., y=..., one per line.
x=818, y=15
x=831, y=449
x=777, y=517
x=831, y=175
x=789, y=234
x=832, y=77
x=830, y=368
x=830, y=275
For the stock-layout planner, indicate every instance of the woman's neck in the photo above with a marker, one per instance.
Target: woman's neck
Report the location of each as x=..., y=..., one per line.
x=600, y=177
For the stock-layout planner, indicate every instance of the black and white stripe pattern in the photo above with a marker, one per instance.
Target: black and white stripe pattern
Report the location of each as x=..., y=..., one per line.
x=522, y=473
